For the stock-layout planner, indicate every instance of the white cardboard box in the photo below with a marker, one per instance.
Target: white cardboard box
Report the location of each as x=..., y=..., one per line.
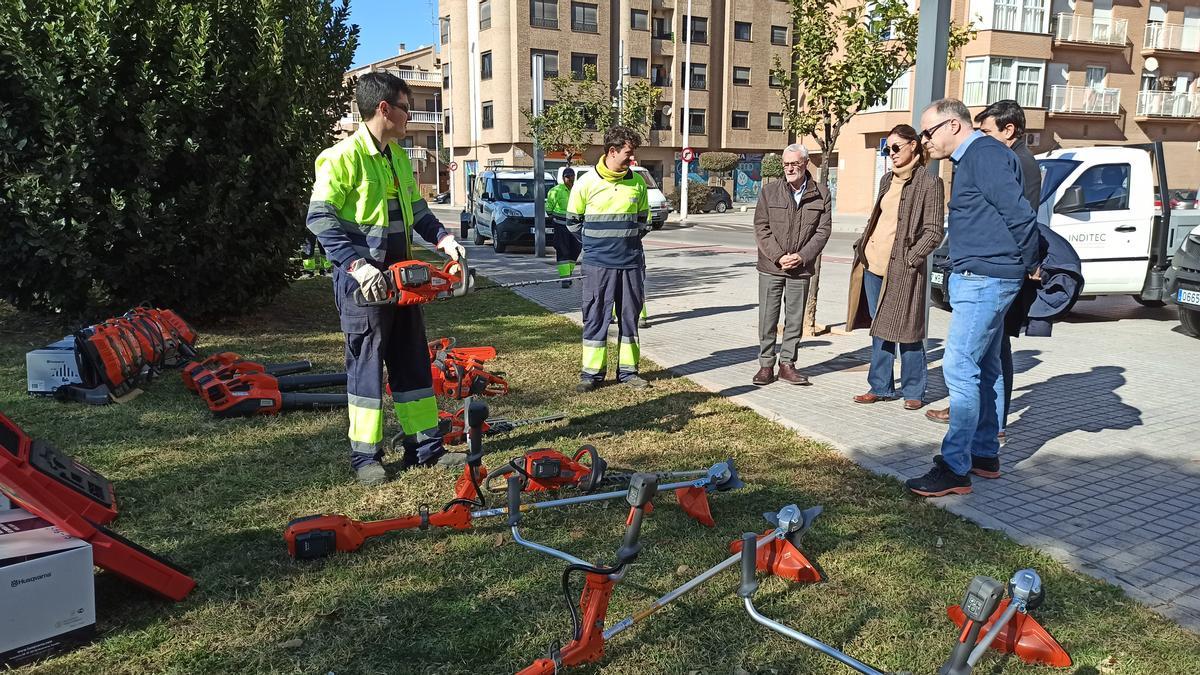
x=47, y=592
x=51, y=367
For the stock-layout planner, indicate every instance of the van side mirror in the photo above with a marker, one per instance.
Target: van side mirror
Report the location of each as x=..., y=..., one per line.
x=1072, y=201
x=485, y=196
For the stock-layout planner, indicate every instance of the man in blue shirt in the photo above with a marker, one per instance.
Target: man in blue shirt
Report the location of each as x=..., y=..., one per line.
x=993, y=248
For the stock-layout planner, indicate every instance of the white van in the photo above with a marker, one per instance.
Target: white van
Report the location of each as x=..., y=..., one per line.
x=659, y=206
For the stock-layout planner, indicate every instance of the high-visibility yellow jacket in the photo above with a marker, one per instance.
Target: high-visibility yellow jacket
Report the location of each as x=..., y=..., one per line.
x=556, y=200
x=609, y=214
x=366, y=205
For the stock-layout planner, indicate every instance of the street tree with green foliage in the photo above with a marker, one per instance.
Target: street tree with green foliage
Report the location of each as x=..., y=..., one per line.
x=584, y=106
x=845, y=56
x=772, y=165
x=161, y=152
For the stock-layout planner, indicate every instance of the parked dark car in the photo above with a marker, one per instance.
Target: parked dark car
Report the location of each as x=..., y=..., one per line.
x=718, y=200
x=442, y=198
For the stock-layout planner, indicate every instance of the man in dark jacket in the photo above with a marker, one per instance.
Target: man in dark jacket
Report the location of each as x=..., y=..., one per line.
x=792, y=222
x=1005, y=122
x=993, y=248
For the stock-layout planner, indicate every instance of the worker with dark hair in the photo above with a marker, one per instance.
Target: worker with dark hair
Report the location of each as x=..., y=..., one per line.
x=609, y=212
x=566, y=246
x=364, y=208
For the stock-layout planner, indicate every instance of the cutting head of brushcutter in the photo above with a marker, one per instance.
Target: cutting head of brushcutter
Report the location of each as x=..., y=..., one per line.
x=723, y=477
x=1025, y=589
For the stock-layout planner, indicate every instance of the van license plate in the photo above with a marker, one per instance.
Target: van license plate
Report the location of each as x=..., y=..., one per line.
x=936, y=278
x=1187, y=297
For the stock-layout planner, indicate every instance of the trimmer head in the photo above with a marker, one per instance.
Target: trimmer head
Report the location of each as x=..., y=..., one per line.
x=723, y=477
x=1022, y=636
x=783, y=556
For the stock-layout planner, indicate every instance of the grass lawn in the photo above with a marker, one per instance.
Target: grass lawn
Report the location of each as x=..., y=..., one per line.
x=214, y=496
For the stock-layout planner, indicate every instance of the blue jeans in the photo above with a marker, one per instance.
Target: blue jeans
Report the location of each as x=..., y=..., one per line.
x=971, y=366
x=913, y=374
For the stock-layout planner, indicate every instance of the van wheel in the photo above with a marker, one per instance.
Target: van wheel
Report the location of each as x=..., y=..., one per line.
x=722, y=207
x=496, y=245
x=938, y=299
x=656, y=226
x=478, y=238
x=1148, y=303
x=1189, y=319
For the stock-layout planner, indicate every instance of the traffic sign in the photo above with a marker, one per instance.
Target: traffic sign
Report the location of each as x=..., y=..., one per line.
x=688, y=155
x=454, y=166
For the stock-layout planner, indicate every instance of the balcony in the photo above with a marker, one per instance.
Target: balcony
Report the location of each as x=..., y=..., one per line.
x=699, y=83
x=417, y=154
x=424, y=117
x=539, y=22
x=1090, y=31
x=419, y=77
x=1169, y=37
x=1168, y=105
x=1085, y=101
x=663, y=4
x=585, y=26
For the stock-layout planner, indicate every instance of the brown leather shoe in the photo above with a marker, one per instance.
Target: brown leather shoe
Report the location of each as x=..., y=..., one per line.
x=764, y=376
x=871, y=398
x=789, y=374
x=913, y=404
x=940, y=416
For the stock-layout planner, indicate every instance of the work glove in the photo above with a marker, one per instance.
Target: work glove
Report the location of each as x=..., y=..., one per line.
x=450, y=246
x=370, y=280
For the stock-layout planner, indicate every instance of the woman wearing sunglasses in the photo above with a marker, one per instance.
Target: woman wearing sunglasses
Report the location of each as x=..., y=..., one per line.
x=887, y=284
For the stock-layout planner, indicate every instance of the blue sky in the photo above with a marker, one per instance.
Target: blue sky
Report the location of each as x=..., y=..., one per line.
x=384, y=24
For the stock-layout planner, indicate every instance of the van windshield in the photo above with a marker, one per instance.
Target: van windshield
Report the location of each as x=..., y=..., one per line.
x=517, y=189
x=1054, y=172
x=650, y=184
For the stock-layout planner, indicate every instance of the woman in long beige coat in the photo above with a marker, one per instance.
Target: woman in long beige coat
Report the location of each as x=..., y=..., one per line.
x=887, y=284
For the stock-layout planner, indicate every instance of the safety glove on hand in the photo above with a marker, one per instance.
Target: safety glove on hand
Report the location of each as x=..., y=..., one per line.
x=370, y=280
x=450, y=246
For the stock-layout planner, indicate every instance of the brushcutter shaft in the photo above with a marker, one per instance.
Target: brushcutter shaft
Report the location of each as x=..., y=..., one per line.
x=582, y=499
x=986, y=640
x=675, y=594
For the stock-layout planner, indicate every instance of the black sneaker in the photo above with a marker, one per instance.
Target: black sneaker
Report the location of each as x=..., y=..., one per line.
x=585, y=386
x=985, y=467
x=940, y=481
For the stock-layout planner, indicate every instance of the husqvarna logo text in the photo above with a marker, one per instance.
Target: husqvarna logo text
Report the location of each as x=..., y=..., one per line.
x=18, y=582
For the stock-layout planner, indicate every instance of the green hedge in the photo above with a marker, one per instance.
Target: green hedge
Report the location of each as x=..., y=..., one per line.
x=158, y=151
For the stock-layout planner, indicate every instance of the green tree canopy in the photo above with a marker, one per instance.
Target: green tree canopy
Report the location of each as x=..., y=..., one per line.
x=162, y=152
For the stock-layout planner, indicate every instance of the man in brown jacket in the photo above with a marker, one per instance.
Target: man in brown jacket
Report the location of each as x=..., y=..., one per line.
x=791, y=227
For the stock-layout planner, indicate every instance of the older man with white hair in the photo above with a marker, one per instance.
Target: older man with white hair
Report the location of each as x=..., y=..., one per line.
x=792, y=222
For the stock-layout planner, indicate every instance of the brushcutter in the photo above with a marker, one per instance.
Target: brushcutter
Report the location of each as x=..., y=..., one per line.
x=459, y=380
x=318, y=536
x=980, y=606
x=321, y=535
x=262, y=394
x=589, y=636
x=227, y=364
x=454, y=429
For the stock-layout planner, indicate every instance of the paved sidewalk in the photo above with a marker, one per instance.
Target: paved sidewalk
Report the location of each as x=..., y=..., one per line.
x=1103, y=467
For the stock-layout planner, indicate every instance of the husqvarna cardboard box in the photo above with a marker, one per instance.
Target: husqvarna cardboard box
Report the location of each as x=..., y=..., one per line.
x=47, y=593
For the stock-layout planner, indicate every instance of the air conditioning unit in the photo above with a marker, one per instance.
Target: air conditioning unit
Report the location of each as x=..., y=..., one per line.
x=1033, y=139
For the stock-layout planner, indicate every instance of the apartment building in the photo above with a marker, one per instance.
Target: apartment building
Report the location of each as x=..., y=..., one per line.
x=488, y=48
x=421, y=69
x=1088, y=72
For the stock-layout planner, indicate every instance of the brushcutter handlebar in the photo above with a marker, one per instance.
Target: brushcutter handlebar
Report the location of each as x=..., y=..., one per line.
x=514, y=501
x=642, y=488
x=749, y=565
x=477, y=412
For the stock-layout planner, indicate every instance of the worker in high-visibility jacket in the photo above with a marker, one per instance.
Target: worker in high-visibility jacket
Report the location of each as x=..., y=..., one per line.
x=364, y=208
x=610, y=213
x=566, y=246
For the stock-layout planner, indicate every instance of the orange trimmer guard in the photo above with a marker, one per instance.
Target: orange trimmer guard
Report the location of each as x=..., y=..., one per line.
x=1023, y=636
x=694, y=502
x=781, y=558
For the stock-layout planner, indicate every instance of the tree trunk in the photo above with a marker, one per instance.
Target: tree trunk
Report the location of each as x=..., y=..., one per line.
x=811, y=327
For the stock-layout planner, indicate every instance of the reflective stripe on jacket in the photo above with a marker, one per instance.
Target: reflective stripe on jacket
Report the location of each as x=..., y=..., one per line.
x=349, y=208
x=609, y=217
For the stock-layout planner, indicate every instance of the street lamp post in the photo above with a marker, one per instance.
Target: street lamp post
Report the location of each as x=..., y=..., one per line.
x=687, y=114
